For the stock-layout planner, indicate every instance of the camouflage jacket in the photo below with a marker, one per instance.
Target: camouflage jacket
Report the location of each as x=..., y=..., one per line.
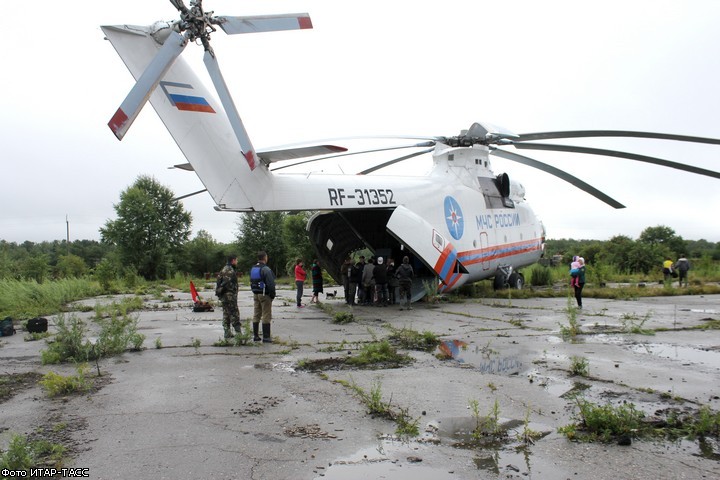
x=230, y=282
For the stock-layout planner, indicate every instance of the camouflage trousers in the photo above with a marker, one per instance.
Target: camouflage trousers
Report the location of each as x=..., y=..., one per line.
x=231, y=315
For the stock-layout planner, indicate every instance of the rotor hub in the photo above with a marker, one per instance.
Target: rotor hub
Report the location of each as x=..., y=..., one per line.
x=196, y=23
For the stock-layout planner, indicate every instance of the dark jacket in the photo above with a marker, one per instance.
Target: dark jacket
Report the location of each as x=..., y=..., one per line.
x=380, y=274
x=356, y=273
x=262, y=280
x=405, y=273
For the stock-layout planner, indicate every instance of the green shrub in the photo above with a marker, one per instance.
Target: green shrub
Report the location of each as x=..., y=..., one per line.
x=541, y=276
x=56, y=384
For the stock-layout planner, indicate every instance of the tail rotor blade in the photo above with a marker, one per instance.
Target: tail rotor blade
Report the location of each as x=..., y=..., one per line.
x=227, y=102
x=264, y=23
x=145, y=85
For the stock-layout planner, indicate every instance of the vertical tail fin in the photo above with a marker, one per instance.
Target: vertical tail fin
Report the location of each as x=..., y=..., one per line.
x=197, y=123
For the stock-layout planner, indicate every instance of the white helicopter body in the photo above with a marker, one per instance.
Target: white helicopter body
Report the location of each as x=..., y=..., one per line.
x=460, y=223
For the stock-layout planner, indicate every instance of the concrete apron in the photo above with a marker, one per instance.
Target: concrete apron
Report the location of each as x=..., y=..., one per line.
x=249, y=413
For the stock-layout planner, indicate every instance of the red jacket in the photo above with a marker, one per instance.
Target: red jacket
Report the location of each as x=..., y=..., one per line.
x=300, y=274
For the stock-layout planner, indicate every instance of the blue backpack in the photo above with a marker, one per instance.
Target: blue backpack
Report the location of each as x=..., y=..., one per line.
x=257, y=285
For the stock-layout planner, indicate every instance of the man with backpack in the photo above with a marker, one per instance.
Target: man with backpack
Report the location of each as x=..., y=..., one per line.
x=682, y=266
x=226, y=289
x=262, y=284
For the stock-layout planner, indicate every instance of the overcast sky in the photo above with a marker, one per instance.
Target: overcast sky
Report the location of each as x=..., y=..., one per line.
x=377, y=67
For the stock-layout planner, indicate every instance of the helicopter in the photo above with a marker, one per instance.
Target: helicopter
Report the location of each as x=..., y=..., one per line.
x=458, y=224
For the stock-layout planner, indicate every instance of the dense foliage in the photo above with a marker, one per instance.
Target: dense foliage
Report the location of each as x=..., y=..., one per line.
x=150, y=230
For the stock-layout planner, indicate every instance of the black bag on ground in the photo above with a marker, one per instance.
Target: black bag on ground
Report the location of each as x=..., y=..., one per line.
x=37, y=325
x=6, y=327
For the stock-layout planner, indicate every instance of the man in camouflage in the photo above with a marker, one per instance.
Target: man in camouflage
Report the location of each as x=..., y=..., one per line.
x=227, y=279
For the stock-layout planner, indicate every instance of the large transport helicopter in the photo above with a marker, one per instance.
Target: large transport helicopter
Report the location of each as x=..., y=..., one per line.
x=458, y=224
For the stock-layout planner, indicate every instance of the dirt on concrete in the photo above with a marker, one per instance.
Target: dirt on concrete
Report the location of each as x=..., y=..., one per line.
x=193, y=410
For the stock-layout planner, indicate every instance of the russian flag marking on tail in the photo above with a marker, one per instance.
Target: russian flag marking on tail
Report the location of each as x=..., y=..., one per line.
x=190, y=103
x=187, y=103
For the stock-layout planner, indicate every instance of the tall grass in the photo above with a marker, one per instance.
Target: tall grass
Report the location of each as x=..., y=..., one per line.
x=28, y=299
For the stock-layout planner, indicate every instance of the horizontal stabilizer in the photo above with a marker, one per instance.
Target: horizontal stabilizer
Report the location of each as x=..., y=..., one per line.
x=300, y=152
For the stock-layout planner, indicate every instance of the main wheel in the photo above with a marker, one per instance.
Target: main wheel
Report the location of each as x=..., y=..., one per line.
x=516, y=281
x=500, y=281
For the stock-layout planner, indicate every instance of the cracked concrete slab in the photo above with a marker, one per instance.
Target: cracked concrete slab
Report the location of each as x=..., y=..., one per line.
x=235, y=412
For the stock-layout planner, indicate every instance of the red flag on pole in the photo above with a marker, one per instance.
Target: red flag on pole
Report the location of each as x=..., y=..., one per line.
x=193, y=292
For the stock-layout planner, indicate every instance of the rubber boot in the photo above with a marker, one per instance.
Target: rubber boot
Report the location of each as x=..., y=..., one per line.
x=228, y=333
x=238, y=328
x=256, y=333
x=266, y=333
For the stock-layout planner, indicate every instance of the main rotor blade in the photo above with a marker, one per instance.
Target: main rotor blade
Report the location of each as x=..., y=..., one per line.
x=227, y=102
x=145, y=85
x=417, y=145
x=615, y=153
x=615, y=133
x=189, y=195
x=264, y=23
x=574, y=181
x=394, y=161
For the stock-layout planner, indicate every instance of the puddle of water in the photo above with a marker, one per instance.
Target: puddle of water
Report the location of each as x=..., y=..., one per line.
x=276, y=367
x=417, y=460
x=686, y=355
x=605, y=339
x=389, y=460
x=559, y=387
x=705, y=310
x=480, y=357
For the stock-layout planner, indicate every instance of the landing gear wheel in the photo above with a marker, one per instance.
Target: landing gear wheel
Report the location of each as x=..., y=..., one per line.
x=500, y=281
x=516, y=281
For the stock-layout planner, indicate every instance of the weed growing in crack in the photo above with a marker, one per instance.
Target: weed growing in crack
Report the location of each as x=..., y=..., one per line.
x=410, y=339
x=605, y=422
x=23, y=454
x=158, y=343
x=378, y=353
x=579, y=366
x=528, y=435
x=55, y=384
x=572, y=329
x=632, y=323
x=405, y=425
x=485, y=426
x=343, y=318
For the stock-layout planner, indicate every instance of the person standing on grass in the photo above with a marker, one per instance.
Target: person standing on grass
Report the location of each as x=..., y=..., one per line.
x=682, y=266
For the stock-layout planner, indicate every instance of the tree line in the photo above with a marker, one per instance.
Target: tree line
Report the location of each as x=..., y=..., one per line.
x=150, y=237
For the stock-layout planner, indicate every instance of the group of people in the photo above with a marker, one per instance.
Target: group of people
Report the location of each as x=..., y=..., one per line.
x=374, y=282
x=301, y=276
x=377, y=281
x=677, y=270
x=262, y=284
